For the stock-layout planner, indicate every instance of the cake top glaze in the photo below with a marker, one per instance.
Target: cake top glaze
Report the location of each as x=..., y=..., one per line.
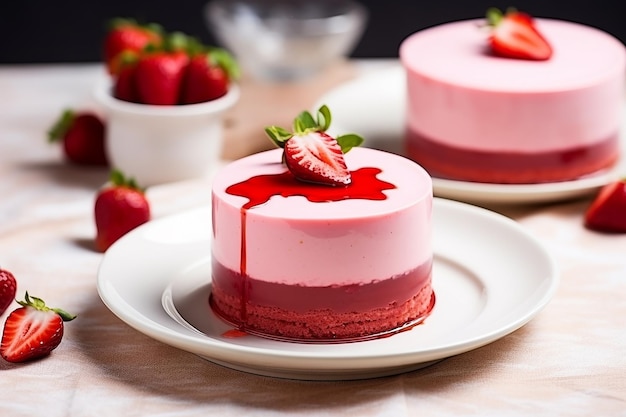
x=581, y=56
x=402, y=182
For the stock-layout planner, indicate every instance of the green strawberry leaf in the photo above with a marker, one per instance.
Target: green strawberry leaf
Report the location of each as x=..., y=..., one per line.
x=61, y=126
x=304, y=122
x=494, y=16
x=224, y=59
x=323, y=118
x=349, y=141
x=121, y=22
x=193, y=46
x=118, y=178
x=278, y=135
x=177, y=41
x=39, y=304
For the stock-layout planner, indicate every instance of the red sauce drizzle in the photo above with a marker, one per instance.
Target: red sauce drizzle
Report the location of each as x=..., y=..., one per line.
x=258, y=190
x=234, y=334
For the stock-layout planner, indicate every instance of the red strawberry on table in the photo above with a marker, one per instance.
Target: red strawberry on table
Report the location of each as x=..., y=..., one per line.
x=120, y=207
x=8, y=286
x=607, y=212
x=82, y=134
x=128, y=35
x=515, y=35
x=310, y=153
x=32, y=331
x=208, y=76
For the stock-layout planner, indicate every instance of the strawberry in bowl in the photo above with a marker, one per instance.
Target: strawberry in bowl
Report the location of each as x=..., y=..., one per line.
x=165, y=108
x=175, y=69
x=127, y=35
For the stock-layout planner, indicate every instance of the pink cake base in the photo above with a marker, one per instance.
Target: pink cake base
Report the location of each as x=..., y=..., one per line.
x=328, y=325
x=509, y=167
x=337, y=313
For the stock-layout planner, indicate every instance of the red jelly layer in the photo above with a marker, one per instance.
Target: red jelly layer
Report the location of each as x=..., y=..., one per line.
x=324, y=313
x=456, y=163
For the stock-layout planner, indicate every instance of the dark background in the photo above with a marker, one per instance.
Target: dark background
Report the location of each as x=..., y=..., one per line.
x=37, y=31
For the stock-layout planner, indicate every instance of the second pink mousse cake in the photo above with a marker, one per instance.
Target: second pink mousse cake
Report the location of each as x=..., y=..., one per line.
x=478, y=117
x=308, y=262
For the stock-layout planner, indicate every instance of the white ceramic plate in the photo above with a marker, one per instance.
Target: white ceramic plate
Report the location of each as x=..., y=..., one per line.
x=373, y=105
x=490, y=278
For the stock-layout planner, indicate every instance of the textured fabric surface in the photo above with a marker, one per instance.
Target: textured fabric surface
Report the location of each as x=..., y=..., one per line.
x=568, y=361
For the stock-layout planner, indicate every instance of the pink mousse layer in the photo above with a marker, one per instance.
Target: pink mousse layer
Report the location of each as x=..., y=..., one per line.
x=461, y=96
x=297, y=242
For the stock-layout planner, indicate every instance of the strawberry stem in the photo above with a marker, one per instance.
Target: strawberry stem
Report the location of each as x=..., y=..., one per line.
x=278, y=135
x=118, y=22
x=494, y=16
x=61, y=126
x=226, y=61
x=118, y=178
x=178, y=41
x=39, y=304
x=305, y=123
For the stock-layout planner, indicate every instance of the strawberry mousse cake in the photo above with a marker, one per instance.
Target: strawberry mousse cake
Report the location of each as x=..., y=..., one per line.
x=476, y=114
x=305, y=261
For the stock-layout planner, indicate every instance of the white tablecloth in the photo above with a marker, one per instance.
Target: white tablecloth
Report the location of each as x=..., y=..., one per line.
x=570, y=360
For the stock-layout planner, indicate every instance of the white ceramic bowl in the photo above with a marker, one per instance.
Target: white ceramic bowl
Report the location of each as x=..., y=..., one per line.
x=162, y=144
x=286, y=39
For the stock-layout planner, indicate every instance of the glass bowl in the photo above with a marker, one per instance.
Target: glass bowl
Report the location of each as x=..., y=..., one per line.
x=286, y=39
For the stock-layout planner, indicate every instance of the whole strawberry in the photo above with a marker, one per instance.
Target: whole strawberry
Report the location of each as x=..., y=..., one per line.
x=607, y=212
x=8, y=287
x=515, y=35
x=124, y=84
x=159, y=77
x=310, y=153
x=32, y=331
x=82, y=136
x=208, y=76
x=160, y=72
x=128, y=35
x=119, y=208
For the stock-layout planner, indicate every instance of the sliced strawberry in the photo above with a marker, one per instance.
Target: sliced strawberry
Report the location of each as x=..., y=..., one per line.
x=311, y=154
x=32, y=331
x=607, y=212
x=8, y=286
x=316, y=157
x=515, y=35
x=119, y=208
x=128, y=35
